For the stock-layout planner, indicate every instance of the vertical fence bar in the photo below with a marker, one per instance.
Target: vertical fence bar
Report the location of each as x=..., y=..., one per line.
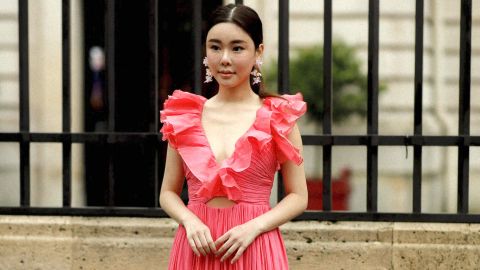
x=283, y=64
x=110, y=59
x=372, y=110
x=417, y=149
x=197, y=45
x=283, y=47
x=327, y=104
x=464, y=104
x=24, y=103
x=66, y=105
x=153, y=73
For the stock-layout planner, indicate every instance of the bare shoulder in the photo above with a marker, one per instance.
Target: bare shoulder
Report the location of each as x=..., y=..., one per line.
x=295, y=137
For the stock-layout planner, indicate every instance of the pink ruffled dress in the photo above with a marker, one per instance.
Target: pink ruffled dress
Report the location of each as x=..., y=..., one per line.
x=246, y=177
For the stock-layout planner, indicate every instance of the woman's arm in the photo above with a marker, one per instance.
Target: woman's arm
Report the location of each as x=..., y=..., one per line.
x=198, y=234
x=295, y=187
x=240, y=237
x=172, y=184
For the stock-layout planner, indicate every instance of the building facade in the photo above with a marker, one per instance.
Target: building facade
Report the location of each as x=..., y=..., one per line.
x=350, y=23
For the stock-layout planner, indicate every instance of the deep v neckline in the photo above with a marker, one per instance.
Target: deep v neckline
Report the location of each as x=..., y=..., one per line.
x=207, y=141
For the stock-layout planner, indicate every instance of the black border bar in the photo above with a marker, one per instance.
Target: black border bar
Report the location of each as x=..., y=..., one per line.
x=154, y=79
x=197, y=45
x=154, y=212
x=327, y=105
x=24, y=102
x=66, y=105
x=418, y=108
x=283, y=66
x=464, y=104
x=317, y=140
x=372, y=106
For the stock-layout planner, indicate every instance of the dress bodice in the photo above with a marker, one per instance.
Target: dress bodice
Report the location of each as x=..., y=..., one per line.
x=247, y=175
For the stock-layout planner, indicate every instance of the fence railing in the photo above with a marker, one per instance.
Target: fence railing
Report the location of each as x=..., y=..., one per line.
x=372, y=141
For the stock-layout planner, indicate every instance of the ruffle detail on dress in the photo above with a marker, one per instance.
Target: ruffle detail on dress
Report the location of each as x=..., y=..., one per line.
x=178, y=116
x=285, y=113
x=222, y=182
x=181, y=118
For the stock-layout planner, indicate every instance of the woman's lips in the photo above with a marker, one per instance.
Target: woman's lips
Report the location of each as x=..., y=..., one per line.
x=226, y=74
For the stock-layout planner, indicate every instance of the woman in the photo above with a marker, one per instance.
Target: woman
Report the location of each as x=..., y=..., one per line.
x=229, y=147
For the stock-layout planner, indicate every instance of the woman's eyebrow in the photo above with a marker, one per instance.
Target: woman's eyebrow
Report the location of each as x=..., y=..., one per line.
x=236, y=41
x=214, y=40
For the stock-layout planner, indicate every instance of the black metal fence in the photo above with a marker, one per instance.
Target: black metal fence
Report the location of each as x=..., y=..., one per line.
x=372, y=141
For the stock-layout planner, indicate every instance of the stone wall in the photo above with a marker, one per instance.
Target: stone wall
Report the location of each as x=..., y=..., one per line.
x=45, y=242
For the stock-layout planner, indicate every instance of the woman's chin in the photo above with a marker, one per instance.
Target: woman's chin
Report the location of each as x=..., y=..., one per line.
x=231, y=82
x=227, y=83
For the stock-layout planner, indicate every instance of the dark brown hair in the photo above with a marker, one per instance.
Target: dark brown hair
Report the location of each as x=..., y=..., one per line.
x=247, y=19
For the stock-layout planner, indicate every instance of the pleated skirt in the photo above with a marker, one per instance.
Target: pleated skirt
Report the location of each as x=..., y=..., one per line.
x=266, y=252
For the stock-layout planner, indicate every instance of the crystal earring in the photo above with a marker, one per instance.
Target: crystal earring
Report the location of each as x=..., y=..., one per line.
x=257, y=76
x=208, y=74
x=259, y=62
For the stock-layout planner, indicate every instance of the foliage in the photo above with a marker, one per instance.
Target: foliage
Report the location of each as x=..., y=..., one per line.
x=349, y=83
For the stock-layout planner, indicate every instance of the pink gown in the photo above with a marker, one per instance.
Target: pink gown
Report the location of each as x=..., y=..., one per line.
x=246, y=177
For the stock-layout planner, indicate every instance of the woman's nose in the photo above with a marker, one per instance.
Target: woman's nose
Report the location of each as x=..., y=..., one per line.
x=225, y=58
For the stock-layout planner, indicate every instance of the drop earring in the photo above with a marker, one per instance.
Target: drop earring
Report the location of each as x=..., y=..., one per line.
x=257, y=76
x=259, y=63
x=208, y=74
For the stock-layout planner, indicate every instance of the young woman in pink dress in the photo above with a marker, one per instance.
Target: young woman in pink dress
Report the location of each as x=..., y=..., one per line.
x=229, y=148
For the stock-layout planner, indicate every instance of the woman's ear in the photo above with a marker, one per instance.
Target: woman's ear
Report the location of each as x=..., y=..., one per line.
x=259, y=51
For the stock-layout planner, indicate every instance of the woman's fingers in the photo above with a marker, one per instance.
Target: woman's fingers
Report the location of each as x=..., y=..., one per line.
x=210, y=242
x=204, y=242
x=199, y=237
x=221, y=239
x=193, y=246
x=237, y=239
x=229, y=251
x=198, y=244
x=223, y=247
x=220, y=242
x=238, y=254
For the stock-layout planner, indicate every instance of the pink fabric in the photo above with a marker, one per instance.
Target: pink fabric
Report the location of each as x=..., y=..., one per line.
x=246, y=177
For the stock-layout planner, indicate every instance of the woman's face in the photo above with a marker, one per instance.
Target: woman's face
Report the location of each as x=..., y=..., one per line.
x=231, y=54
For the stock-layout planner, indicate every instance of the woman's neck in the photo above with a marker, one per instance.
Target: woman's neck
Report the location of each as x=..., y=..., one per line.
x=242, y=93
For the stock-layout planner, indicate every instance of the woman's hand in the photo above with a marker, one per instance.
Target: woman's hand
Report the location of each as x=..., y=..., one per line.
x=199, y=236
x=237, y=239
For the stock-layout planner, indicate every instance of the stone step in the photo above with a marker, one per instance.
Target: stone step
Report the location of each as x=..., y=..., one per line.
x=59, y=242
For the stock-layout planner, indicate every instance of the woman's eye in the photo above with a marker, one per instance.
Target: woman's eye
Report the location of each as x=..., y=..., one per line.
x=214, y=47
x=237, y=49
